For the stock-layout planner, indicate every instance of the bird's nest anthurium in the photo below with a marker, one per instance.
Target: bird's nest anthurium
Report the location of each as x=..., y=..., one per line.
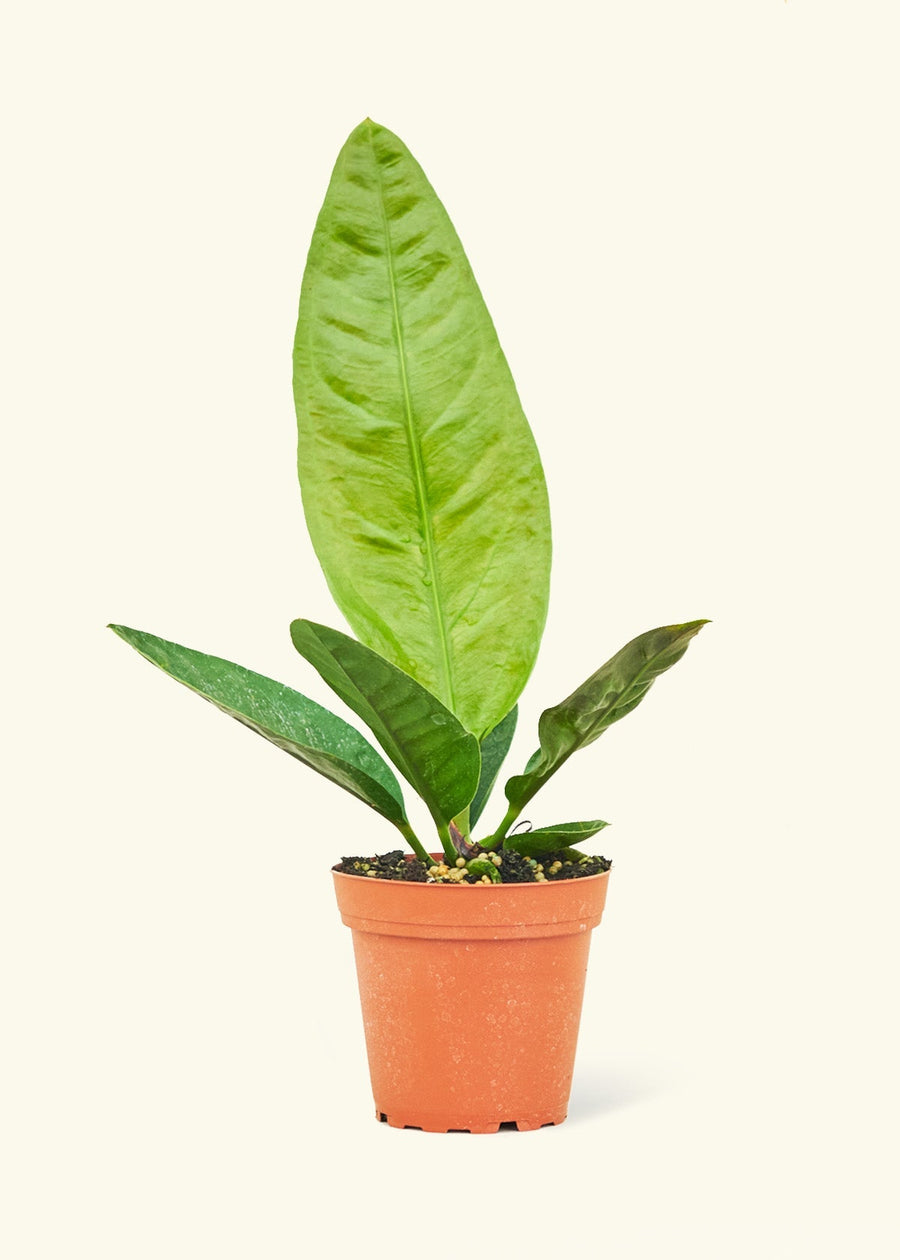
x=426, y=504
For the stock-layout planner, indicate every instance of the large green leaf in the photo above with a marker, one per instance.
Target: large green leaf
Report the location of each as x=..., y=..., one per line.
x=423, y=738
x=552, y=839
x=286, y=718
x=614, y=690
x=422, y=487
x=494, y=748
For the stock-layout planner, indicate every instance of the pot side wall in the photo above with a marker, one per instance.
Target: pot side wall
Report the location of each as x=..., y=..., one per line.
x=471, y=1024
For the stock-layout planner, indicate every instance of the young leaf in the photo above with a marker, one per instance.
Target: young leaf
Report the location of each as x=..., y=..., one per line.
x=286, y=718
x=494, y=748
x=423, y=739
x=614, y=690
x=552, y=839
x=422, y=486
x=484, y=866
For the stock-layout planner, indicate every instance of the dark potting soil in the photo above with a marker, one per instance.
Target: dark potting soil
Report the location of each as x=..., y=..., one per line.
x=513, y=868
x=393, y=865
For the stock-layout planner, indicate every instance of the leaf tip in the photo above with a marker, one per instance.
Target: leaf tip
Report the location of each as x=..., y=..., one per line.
x=694, y=627
x=365, y=129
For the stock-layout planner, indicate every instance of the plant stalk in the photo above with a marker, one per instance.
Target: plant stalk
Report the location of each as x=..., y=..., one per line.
x=415, y=843
x=447, y=845
x=496, y=840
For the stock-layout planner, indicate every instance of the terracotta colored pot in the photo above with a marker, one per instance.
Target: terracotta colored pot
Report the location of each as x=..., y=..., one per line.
x=471, y=996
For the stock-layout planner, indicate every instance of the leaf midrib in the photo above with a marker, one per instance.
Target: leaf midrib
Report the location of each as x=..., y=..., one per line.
x=415, y=451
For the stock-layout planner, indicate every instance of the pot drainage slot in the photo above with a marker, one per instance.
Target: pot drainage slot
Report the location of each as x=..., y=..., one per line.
x=505, y=1125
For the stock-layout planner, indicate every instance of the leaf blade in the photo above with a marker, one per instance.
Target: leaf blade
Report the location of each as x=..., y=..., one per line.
x=553, y=838
x=429, y=746
x=299, y=726
x=422, y=487
x=613, y=691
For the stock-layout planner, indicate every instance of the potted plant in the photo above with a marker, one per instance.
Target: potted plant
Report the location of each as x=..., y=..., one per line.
x=427, y=508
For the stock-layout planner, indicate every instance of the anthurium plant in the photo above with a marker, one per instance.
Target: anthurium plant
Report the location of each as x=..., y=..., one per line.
x=426, y=505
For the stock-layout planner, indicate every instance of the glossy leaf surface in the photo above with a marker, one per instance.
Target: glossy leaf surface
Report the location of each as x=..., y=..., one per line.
x=422, y=486
x=494, y=748
x=427, y=744
x=321, y=740
x=551, y=839
x=608, y=695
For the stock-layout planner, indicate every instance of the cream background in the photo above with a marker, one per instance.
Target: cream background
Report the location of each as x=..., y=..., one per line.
x=684, y=220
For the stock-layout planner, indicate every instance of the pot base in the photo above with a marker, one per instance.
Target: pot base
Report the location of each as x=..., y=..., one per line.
x=468, y=1124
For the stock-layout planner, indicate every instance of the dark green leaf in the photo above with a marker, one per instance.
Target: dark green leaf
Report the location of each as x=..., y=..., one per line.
x=552, y=839
x=422, y=486
x=614, y=690
x=422, y=737
x=494, y=748
x=286, y=718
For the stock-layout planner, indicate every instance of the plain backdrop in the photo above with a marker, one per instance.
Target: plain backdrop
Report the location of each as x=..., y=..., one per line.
x=683, y=217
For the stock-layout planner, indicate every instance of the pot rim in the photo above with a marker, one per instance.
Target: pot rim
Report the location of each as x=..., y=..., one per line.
x=502, y=888
x=410, y=908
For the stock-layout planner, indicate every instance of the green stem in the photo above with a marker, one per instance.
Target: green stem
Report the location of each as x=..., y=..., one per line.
x=447, y=845
x=496, y=840
x=415, y=843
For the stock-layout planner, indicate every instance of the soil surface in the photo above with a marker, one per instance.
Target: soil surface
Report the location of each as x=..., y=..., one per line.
x=511, y=867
